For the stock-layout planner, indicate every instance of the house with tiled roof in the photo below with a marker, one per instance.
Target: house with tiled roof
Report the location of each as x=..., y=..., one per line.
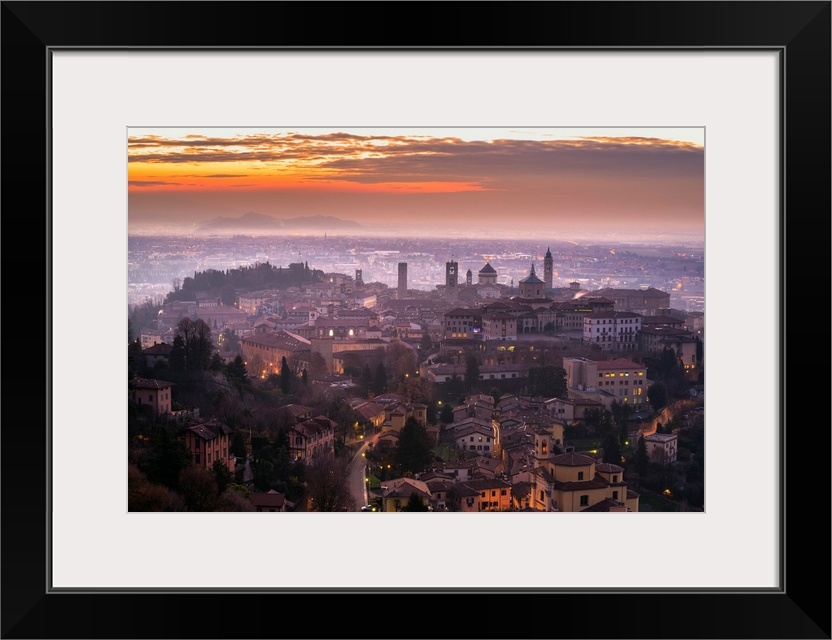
x=291, y=414
x=157, y=353
x=371, y=412
x=486, y=467
x=571, y=411
x=464, y=498
x=440, y=487
x=475, y=438
x=209, y=442
x=271, y=501
x=460, y=470
x=476, y=406
x=521, y=495
x=312, y=438
x=388, y=439
x=662, y=448
x=395, y=493
x=153, y=393
x=493, y=494
x=499, y=326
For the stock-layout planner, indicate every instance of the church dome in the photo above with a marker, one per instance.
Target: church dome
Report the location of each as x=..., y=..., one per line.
x=531, y=278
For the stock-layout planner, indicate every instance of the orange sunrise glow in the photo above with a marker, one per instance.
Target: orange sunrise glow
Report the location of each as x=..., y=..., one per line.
x=371, y=176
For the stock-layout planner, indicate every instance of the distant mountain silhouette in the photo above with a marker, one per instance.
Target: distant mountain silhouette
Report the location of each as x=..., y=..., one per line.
x=252, y=221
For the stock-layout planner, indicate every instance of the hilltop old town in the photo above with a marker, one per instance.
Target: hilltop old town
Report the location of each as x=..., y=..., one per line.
x=503, y=387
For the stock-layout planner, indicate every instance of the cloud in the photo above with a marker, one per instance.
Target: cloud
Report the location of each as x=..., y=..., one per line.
x=152, y=183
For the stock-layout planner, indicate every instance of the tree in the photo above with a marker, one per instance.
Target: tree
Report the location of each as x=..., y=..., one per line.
x=426, y=344
x=135, y=358
x=380, y=379
x=264, y=474
x=317, y=364
x=621, y=413
x=472, y=372
x=657, y=395
x=228, y=295
x=547, y=381
x=414, y=451
x=400, y=359
x=236, y=370
x=446, y=414
x=327, y=484
x=286, y=376
x=238, y=445
x=642, y=459
x=222, y=475
x=143, y=495
x=612, y=448
x=415, y=503
x=598, y=420
x=230, y=341
x=166, y=458
x=199, y=489
x=195, y=344
x=233, y=500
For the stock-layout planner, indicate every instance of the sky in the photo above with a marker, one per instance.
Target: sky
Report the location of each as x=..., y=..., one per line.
x=523, y=180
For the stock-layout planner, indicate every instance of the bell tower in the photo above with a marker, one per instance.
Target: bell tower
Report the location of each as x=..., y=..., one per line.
x=547, y=269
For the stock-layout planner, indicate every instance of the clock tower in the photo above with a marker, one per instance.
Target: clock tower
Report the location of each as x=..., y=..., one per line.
x=451, y=274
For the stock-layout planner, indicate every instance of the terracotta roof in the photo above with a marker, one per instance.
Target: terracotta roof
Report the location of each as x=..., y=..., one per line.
x=614, y=314
x=619, y=363
x=148, y=383
x=280, y=340
x=606, y=505
x=460, y=431
x=487, y=483
x=210, y=429
x=160, y=349
x=370, y=410
x=580, y=485
x=270, y=499
x=572, y=459
x=651, y=292
x=296, y=410
x=403, y=487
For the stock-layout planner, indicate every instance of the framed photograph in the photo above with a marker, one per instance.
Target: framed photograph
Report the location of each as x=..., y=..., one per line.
x=90, y=87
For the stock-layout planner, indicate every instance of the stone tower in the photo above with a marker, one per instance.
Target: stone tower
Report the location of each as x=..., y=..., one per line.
x=547, y=269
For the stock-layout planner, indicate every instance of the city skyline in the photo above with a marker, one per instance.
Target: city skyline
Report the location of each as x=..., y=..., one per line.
x=629, y=183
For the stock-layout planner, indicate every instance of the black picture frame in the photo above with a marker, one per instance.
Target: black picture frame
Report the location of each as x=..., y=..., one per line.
x=800, y=31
